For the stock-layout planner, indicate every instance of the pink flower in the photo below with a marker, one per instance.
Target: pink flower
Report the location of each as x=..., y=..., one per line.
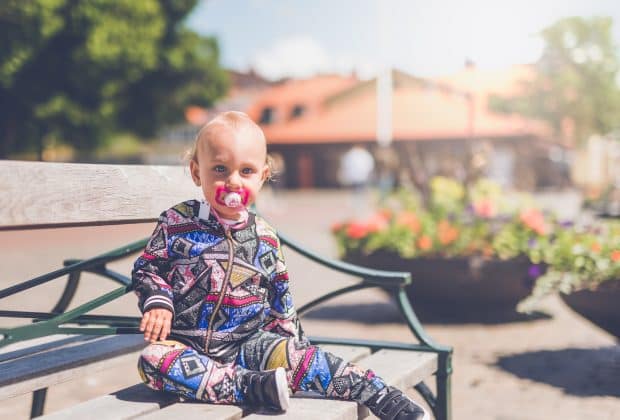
x=377, y=223
x=534, y=219
x=485, y=208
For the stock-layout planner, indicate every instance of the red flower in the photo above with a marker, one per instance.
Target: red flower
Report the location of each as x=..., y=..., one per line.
x=410, y=220
x=615, y=255
x=356, y=230
x=425, y=242
x=446, y=232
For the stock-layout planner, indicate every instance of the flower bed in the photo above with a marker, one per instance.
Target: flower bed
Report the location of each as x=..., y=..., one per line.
x=477, y=226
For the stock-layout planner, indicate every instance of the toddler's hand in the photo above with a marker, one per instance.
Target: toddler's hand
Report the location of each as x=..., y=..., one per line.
x=156, y=324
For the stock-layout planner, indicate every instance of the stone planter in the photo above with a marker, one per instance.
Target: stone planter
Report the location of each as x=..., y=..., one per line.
x=462, y=287
x=600, y=306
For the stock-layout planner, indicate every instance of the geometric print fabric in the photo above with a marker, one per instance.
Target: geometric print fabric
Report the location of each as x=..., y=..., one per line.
x=174, y=367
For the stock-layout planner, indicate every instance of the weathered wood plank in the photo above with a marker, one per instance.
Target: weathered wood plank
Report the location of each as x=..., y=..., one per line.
x=37, y=345
x=124, y=404
x=44, y=194
x=314, y=408
x=195, y=411
x=349, y=353
x=46, y=368
x=401, y=368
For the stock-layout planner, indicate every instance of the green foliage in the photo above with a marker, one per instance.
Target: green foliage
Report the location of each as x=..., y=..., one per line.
x=78, y=71
x=580, y=257
x=575, y=79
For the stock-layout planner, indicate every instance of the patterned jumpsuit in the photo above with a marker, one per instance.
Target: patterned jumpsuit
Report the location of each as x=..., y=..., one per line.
x=228, y=289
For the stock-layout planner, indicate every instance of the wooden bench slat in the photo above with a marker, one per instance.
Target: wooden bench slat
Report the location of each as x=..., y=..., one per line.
x=401, y=368
x=40, y=194
x=195, y=411
x=349, y=353
x=25, y=348
x=47, y=368
x=124, y=404
x=314, y=408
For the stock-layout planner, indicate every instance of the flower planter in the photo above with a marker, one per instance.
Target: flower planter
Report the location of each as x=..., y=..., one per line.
x=459, y=287
x=600, y=306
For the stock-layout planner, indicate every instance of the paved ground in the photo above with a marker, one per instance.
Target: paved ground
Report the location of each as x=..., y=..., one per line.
x=556, y=367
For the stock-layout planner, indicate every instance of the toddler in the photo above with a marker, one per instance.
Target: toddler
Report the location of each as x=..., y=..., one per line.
x=214, y=292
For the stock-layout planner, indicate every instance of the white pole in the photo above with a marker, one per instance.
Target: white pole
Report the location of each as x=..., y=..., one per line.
x=384, y=78
x=384, y=107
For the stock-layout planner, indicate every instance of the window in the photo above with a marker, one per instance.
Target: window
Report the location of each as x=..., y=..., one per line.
x=267, y=115
x=298, y=111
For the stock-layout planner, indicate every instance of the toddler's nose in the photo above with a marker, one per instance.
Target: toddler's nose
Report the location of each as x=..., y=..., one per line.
x=234, y=181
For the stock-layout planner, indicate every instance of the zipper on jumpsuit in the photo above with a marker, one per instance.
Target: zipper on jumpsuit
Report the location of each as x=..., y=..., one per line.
x=231, y=254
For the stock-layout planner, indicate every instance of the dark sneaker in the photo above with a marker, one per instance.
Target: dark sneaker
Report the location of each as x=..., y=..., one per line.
x=267, y=389
x=391, y=404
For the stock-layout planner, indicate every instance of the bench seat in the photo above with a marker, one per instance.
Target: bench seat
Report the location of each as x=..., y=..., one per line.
x=397, y=367
x=27, y=369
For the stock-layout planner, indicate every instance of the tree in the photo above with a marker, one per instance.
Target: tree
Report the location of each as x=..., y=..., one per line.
x=575, y=83
x=78, y=70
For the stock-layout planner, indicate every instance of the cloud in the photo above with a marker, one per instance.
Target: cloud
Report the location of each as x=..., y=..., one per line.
x=303, y=56
x=299, y=56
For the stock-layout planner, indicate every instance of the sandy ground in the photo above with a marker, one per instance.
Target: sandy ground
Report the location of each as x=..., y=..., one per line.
x=553, y=367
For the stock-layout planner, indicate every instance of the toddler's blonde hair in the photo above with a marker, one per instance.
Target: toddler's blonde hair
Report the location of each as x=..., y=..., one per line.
x=233, y=119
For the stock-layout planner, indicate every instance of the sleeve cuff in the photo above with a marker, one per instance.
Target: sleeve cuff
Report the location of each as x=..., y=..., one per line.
x=158, y=301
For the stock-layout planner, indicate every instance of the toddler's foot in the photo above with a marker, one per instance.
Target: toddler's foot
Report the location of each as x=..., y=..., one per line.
x=391, y=404
x=268, y=389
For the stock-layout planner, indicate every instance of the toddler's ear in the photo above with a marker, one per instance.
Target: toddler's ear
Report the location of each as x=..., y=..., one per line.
x=194, y=169
x=266, y=173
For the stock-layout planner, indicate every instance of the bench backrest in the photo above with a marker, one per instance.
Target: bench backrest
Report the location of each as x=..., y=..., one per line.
x=45, y=194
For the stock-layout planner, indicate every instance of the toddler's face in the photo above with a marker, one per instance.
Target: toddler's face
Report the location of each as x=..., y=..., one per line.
x=230, y=160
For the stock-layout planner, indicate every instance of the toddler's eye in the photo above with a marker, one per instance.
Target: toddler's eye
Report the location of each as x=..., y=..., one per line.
x=247, y=171
x=219, y=168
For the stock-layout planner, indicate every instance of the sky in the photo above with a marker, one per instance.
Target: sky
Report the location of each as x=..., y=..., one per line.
x=298, y=38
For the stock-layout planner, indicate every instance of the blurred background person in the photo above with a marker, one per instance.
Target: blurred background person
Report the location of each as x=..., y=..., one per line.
x=356, y=170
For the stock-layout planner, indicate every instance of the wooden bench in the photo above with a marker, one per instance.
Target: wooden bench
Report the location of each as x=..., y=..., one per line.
x=62, y=344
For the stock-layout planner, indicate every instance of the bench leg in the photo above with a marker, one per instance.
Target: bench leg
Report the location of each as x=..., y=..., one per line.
x=443, y=410
x=38, y=402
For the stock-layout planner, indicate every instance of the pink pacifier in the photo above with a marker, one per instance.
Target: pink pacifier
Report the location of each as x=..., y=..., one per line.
x=232, y=199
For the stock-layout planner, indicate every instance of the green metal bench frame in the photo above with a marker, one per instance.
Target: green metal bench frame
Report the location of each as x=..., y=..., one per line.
x=55, y=321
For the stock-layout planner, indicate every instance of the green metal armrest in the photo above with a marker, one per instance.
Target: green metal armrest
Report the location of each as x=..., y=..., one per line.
x=53, y=323
x=379, y=277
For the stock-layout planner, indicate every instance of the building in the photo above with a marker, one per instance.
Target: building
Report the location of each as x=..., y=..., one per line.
x=439, y=126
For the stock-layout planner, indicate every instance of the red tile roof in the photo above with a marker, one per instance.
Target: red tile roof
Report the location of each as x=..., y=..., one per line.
x=343, y=109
